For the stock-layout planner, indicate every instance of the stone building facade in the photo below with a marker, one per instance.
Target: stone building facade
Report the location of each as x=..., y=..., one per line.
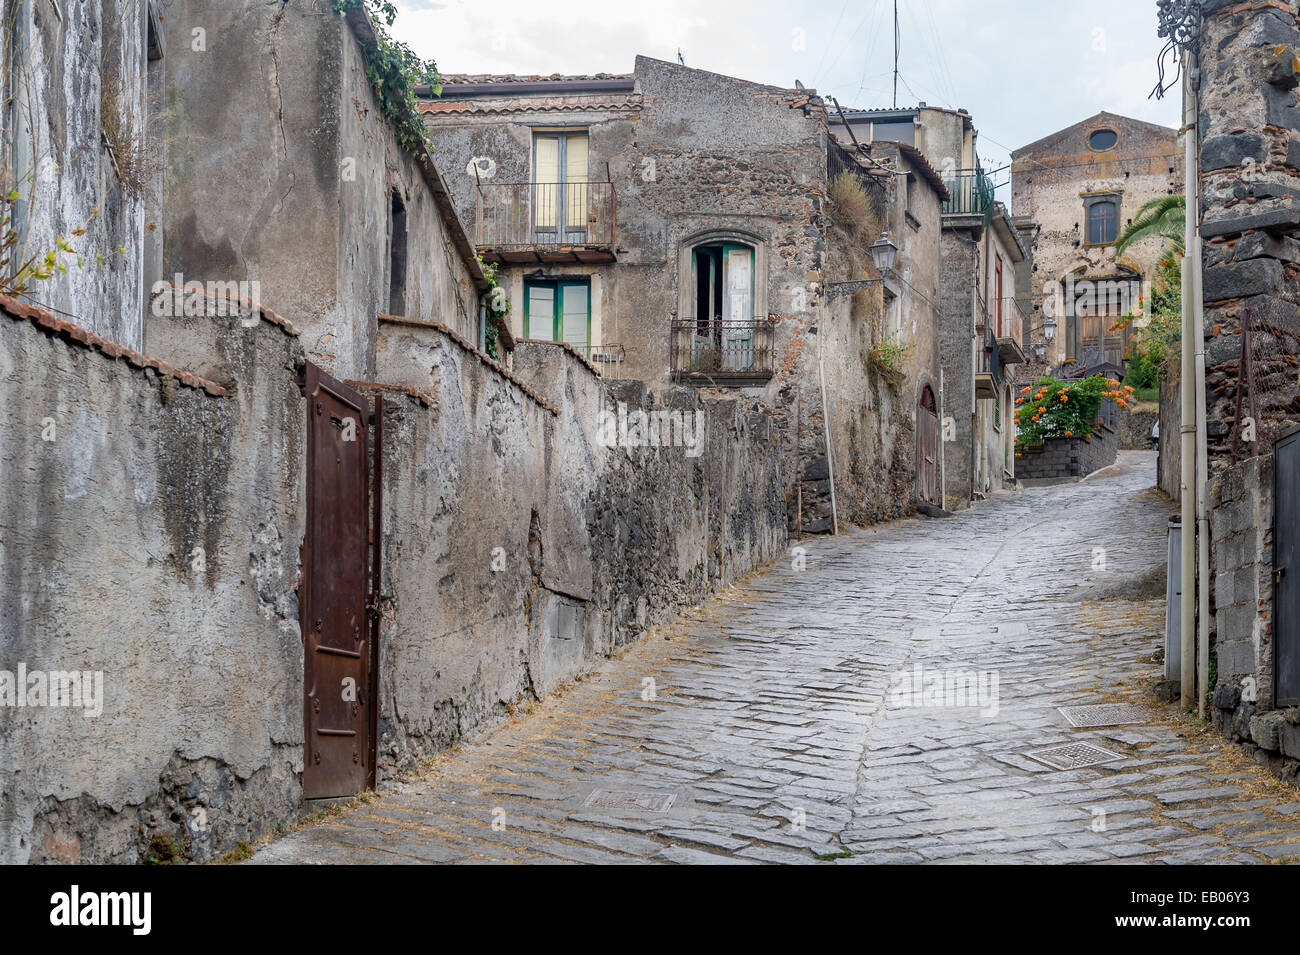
x=981, y=349
x=977, y=304
x=678, y=226
x=1076, y=189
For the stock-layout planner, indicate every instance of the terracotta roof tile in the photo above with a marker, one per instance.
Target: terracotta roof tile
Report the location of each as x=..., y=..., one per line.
x=70, y=331
x=467, y=346
x=247, y=303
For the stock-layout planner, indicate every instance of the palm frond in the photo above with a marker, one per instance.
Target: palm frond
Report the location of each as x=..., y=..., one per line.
x=1163, y=216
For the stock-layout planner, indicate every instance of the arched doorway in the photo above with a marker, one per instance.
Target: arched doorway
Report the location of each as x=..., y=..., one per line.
x=927, y=448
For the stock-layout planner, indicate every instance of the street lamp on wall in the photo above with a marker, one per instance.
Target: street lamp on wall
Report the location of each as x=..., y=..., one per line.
x=883, y=253
x=1048, y=328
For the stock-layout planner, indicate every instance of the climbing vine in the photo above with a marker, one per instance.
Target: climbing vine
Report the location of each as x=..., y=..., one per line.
x=394, y=70
x=498, y=306
x=18, y=270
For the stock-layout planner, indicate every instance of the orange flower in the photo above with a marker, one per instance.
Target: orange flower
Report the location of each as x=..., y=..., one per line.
x=1025, y=390
x=1069, y=434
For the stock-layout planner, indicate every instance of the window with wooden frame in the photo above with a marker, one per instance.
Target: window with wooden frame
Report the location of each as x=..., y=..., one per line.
x=558, y=310
x=1101, y=218
x=560, y=185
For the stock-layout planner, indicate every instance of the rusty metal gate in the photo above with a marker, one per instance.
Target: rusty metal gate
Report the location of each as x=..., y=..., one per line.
x=927, y=448
x=340, y=626
x=1286, y=585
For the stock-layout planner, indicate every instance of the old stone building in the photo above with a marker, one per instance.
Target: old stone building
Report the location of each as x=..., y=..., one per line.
x=981, y=345
x=679, y=226
x=1075, y=190
x=977, y=305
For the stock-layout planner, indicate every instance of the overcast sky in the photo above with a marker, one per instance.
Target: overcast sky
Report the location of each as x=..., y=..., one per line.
x=1023, y=68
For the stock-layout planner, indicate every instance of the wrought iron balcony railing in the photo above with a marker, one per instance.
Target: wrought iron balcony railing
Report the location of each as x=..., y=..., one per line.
x=970, y=192
x=1008, y=329
x=544, y=217
x=725, y=352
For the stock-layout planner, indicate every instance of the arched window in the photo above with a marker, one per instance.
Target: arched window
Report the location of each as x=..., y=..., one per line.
x=1103, y=222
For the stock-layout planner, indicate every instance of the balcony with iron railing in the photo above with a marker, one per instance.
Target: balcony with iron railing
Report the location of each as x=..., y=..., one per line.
x=724, y=353
x=1008, y=330
x=970, y=193
x=987, y=371
x=525, y=222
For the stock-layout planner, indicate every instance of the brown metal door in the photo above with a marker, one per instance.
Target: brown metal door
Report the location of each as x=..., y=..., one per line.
x=339, y=637
x=927, y=448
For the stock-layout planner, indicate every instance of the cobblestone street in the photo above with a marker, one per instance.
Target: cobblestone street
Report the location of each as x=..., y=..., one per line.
x=772, y=735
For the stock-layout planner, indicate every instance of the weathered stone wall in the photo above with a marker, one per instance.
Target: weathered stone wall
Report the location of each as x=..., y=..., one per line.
x=960, y=265
x=1250, y=176
x=519, y=550
x=1134, y=429
x=1241, y=510
x=64, y=79
x=303, y=206
x=1249, y=128
x=149, y=530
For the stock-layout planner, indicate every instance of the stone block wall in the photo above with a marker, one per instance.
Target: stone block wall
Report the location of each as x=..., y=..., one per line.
x=1063, y=458
x=1250, y=177
x=1241, y=511
x=1249, y=128
x=1133, y=429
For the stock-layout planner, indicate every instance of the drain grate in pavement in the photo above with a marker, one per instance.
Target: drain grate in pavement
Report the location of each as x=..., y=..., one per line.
x=1073, y=756
x=1106, y=714
x=622, y=799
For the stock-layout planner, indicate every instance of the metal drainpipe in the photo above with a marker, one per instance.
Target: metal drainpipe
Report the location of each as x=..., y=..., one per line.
x=1187, y=428
x=826, y=434
x=1193, y=255
x=943, y=474
x=826, y=421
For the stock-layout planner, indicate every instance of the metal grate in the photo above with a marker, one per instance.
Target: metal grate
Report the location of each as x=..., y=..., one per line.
x=619, y=799
x=1106, y=714
x=1073, y=756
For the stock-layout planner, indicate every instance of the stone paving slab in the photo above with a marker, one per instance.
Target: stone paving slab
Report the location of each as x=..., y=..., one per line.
x=876, y=707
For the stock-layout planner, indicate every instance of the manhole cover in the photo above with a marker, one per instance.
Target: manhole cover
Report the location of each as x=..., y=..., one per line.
x=1105, y=714
x=1074, y=756
x=622, y=799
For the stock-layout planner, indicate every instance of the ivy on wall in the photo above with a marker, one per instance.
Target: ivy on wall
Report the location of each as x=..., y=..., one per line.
x=394, y=70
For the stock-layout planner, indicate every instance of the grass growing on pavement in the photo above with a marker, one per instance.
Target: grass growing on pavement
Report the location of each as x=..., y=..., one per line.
x=831, y=856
